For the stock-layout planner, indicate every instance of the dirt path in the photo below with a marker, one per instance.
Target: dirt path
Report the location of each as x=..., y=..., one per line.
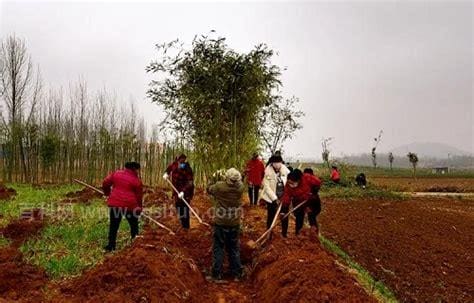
x=162, y=268
x=423, y=249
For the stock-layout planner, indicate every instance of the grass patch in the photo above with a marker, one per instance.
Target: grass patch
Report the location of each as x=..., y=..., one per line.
x=28, y=197
x=74, y=241
x=376, y=288
x=4, y=242
x=357, y=193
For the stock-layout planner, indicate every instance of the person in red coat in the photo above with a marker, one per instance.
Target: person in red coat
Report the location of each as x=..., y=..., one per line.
x=124, y=190
x=181, y=175
x=301, y=188
x=255, y=170
x=335, y=175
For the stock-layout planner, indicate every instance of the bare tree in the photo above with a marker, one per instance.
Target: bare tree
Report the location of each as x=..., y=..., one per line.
x=413, y=158
x=374, y=148
x=279, y=122
x=390, y=159
x=325, y=142
x=20, y=87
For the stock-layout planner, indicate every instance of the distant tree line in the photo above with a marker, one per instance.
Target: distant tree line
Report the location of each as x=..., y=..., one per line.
x=221, y=107
x=54, y=136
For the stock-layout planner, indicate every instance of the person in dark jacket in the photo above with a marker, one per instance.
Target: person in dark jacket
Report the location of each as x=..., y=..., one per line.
x=361, y=180
x=301, y=188
x=227, y=214
x=124, y=190
x=181, y=175
x=254, y=171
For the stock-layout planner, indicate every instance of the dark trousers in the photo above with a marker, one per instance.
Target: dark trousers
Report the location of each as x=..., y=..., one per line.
x=182, y=211
x=271, y=212
x=314, y=205
x=116, y=215
x=228, y=238
x=253, y=194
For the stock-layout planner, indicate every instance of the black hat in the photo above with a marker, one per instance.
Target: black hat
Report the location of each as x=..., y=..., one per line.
x=275, y=159
x=295, y=175
x=132, y=165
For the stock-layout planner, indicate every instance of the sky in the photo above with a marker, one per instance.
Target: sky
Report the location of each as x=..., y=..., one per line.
x=404, y=67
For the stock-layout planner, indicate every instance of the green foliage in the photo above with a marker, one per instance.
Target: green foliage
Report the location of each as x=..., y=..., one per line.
x=28, y=197
x=74, y=241
x=214, y=96
x=377, y=288
x=4, y=241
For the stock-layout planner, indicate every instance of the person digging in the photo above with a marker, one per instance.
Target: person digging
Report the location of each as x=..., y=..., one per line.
x=124, y=191
x=273, y=186
x=301, y=188
x=227, y=214
x=182, y=179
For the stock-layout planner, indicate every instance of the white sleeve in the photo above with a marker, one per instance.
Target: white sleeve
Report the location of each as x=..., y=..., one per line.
x=267, y=190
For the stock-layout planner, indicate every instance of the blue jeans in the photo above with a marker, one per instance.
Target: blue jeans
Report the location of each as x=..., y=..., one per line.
x=228, y=238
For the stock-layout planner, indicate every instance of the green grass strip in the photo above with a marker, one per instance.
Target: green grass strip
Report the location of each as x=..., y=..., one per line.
x=370, y=284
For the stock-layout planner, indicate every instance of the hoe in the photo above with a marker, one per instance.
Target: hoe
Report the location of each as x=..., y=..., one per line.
x=254, y=244
x=143, y=215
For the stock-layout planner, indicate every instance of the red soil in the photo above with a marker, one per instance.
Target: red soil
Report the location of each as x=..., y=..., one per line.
x=438, y=184
x=20, y=281
x=6, y=193
x=155, y=197
x=423, y=249
x=162, y=268
x=85, y=195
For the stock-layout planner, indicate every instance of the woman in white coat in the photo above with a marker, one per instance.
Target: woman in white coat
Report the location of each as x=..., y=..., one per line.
x=274, y=185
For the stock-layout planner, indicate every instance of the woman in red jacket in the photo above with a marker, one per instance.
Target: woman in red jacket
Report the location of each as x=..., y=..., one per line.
x=125, y=192
x=301, y=188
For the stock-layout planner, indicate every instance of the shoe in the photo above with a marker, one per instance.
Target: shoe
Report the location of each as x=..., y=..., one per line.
x=217, y=280
x=239, y=278
x=109, y=248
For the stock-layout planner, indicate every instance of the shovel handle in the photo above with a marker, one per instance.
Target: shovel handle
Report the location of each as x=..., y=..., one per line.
x=89, y=186
x=187, y=204
x=274, y=223
x=145, y=216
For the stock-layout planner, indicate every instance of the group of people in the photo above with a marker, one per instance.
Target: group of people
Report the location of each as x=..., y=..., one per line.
x=273, y=184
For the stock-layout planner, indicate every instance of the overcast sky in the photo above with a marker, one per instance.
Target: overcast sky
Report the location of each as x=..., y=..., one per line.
x=357, y=67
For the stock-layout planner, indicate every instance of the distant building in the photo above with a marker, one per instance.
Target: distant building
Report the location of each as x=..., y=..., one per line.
x=440, y=170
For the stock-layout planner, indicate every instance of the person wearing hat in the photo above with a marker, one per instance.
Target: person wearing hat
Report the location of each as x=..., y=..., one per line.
x=227, y=214
x=254, y=172
x=274, y=185
x=181, y=175
x=301, y=188
x=124, y=191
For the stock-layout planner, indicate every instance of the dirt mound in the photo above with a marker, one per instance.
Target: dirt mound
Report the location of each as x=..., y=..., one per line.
x=19, y=280
x=19, y=230
x=299, y=268
x=147, y=272
x=6, y=193
x=85, y=195
x=155, y=197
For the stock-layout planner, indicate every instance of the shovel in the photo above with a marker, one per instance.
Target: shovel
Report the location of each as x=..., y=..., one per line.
x=254, y=244
x=143, y=215
x=187, y=204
